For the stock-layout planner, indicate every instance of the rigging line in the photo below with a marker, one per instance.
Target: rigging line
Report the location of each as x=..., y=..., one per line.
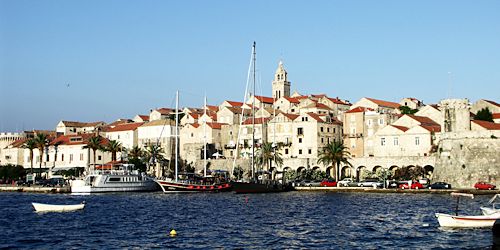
x=242, y=112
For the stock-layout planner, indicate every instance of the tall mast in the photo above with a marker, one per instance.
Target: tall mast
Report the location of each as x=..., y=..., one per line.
x=176, y=134
x=253, y=114
x=205, y=137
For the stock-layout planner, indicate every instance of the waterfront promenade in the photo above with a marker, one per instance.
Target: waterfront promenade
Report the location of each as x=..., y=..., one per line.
x=66, y=189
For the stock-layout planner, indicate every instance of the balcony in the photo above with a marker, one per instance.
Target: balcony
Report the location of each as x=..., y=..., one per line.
x=355, y=135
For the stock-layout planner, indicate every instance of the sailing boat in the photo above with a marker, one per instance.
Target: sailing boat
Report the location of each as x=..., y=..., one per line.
x=190, y=182
x=257, y=185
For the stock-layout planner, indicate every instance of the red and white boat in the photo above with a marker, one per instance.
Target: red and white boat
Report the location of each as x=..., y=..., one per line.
x=465, y=221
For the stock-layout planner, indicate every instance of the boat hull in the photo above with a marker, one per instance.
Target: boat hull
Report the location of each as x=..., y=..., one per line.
x=40, y=207
x=176, y=187
x=490, y=211
x=251, y=187
x=447, y=220
x=80, y=186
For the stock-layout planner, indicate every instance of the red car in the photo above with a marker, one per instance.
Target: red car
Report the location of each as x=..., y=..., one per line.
x=414, y=185
x=484, y=186
x=328, y=183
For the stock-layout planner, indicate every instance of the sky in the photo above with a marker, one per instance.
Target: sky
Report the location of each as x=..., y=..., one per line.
x=101, y=60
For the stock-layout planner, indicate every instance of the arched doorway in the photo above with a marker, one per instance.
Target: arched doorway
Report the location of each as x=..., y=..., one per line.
x=330, y=172
x=428, y=171
x=359, y=172
x=376, y=169
x=393, y=170
x=316, y=168
x=345, y=172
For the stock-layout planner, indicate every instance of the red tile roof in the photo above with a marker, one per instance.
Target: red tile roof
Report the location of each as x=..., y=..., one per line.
x=257, y=121
x=426, y=121
x=384, y=103
x=81, y=124
x=195, y=125
x=432, y=128
x=144, y=117
x=291, y=116
x=292, y=99
x=496, y=116
x=359, y=109
x=322, y=106
x=235, y=104
x=337, y=101
x=213, y=108
x=402, y=128
x=165, y=111
x=215, y=125
x=80, y=139
x=487, y=125
x=316, y=117
x=125, y=127
x=18, y=143
x=493, y=102
x=265, y=99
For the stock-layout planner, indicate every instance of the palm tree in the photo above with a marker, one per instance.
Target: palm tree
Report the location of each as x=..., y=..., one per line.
x=267, y=154
x=41, y=141
x=31, y=145
x=94, y=143
x=153, y=154
x=136, y=152
x=335, y=153
x=113, y=147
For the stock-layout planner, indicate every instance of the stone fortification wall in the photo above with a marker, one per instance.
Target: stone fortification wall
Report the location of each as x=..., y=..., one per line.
x=465, y=158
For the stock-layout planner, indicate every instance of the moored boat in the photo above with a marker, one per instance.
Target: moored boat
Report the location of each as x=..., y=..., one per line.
x=40, y=207
x=120, y=178
x=471, y=221
x=269, y=186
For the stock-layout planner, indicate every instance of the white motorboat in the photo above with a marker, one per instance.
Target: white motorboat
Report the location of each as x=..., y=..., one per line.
x=493, y=210
x=448, y=220
x=465, y=221
x=114, y=180
x=40, y=207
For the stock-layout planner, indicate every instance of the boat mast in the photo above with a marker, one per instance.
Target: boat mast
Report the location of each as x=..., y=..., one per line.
x=176, y=134
x=253, y=115
x=205, y=137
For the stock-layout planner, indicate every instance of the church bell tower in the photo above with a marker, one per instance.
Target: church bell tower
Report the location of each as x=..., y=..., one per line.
x=281, y=85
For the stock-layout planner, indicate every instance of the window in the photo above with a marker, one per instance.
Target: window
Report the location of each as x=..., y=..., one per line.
x=81, y=157
x=99, y=158
x=396, y=142
x=322, y=140
x=62, y=157
x=381, y=121
x=333, y=130
x=369, y=122
x=328, y=130
x=382, y=141
x=300, y=140
x=114, y=179
x=321, y=129
x=71, y=157
x=286, y=151
x=417, y=140
x=309, y=151
x=191, y=134
x=300, y=151
x=300, y=131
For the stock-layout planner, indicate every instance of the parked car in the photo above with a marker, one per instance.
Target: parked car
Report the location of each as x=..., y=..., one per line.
x=370, y=183
x=345, y=182
x=414, y=185
x=328, y=183
x=54, y=182
x=440, y=185
x=309, y=183
x=484, y=186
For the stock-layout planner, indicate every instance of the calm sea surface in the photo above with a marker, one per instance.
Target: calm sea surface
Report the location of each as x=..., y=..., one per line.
x=294, y=220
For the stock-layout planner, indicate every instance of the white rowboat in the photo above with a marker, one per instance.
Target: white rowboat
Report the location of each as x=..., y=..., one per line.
x=448, y=220
x=40, y=207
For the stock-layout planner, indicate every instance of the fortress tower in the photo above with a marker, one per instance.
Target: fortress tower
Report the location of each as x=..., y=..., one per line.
x=281, y=85
x=456, y=113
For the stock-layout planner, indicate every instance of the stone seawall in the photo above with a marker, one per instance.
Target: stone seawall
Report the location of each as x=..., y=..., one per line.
x=465, y=161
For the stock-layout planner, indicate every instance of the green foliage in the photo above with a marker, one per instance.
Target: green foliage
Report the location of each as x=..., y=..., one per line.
x=484, y=115
x=291, y=175
x=267, y=154
x=113, y=147
x=409, y=173
x=31, y=145
x=334, y=153
x=12, y=172
x=405, y=110
x=367, y=174
x=310, y=174
x=138, y=164
x=71, y=172
x=238, y=172
x=383, y=174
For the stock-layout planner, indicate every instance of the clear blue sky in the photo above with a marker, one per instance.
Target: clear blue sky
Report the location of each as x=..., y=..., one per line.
x=122, y=58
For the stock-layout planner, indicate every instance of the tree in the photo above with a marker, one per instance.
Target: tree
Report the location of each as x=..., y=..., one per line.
x=154, y=154
x=405, y=110
x=136, y=152
x=267, y=154
x=113, y=147
x=41, y=141
x=484, y=115
x=94, y=143
x=335, y=153
x=31, y=145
